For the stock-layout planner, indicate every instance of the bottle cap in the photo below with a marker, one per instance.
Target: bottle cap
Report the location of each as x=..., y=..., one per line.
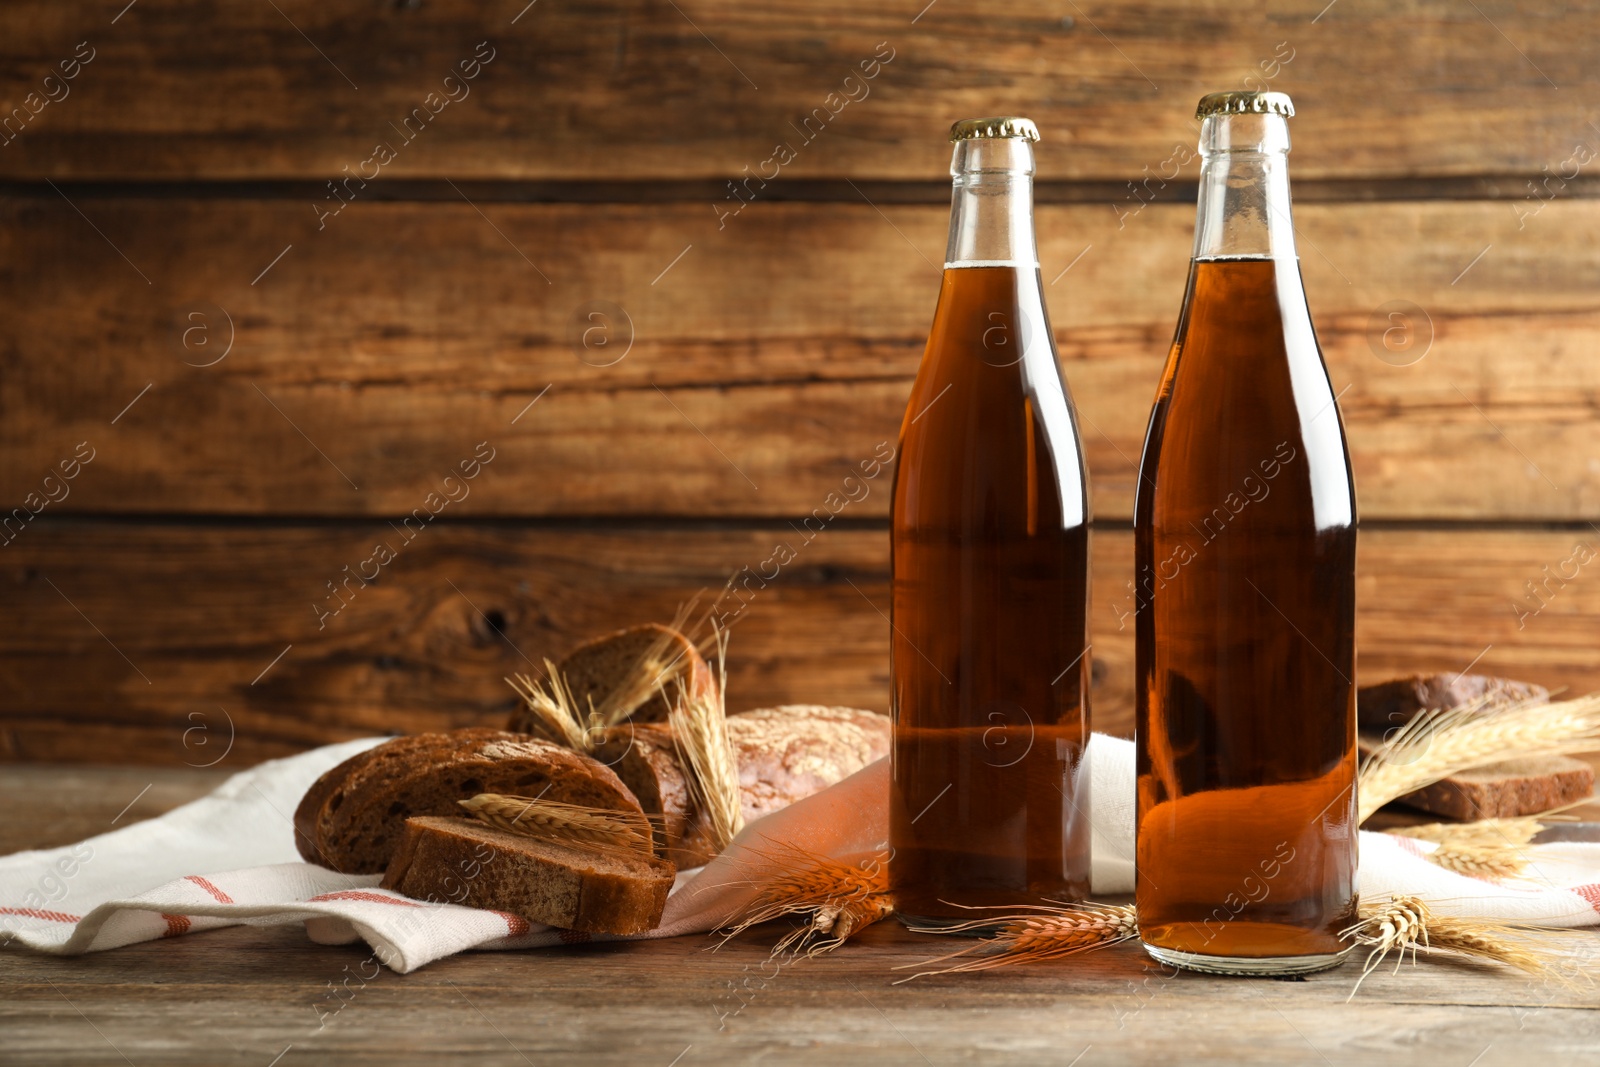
x=1243, y=103
x=1004, y=126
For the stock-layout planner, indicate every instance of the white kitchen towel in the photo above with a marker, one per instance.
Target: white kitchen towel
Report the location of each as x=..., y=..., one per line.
x=229, y=858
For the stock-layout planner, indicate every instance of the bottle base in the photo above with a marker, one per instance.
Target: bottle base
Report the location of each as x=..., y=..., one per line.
x=1246, y=966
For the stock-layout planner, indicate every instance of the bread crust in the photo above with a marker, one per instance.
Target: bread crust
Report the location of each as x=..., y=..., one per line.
x=462, y=861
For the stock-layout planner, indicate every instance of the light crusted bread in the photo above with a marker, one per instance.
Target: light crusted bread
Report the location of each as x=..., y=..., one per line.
x=632, y=674
x=428, y=773
x=784, y=754
x=463, y=861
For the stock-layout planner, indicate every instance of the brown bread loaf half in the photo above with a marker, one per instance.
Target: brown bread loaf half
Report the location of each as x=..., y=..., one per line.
x=433, y=771
x=630, y=674
x=387, y=761
x=463, y=861
x=1494, y=791
x=784, y=754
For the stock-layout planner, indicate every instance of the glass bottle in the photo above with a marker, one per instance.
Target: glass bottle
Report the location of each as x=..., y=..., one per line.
x=990, y=558
x=1245, y=554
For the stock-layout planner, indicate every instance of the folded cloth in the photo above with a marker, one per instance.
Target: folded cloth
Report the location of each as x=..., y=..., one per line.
x=229, y=858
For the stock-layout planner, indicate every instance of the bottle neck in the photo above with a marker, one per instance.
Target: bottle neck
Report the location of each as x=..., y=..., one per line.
x=991, y=204
x=1243, y=209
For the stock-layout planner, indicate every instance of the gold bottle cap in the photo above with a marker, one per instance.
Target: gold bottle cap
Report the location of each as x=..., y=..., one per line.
x=1004, y=126
x=1244, y=103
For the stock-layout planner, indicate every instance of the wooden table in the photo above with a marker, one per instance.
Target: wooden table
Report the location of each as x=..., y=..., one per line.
x=251, y=996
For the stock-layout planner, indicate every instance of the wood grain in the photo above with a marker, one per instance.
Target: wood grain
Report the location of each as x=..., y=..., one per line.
x=735, y=372
x=156, y=643
x=704, y=89
x=258, y=991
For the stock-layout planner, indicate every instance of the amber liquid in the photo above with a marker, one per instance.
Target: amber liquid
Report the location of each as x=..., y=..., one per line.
x=989, y=665
x=1245, y=545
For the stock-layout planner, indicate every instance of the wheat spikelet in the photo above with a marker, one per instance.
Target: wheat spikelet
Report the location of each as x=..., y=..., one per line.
x=1040, y=933
x=831, y=925
x=1403, y=923
x=552, y=702
x=566, y=823
x=1437, y=744
x=700, y=732
x=1490, y=862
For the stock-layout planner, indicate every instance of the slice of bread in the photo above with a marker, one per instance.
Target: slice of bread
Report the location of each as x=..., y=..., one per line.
x=645, y=757
x=463, y=861
x=1493, y=791
x=1396, y=702
x=784, y=754
x=629, y=674
x=426, y=775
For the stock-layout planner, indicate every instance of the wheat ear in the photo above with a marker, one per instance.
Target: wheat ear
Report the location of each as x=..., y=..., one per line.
x=566, y=823
x=552, y=702
x=1437, y=744
x=700, y=731
x=836, y=899
x=1481, y=834
x=1038, y=933
x=1406, y=923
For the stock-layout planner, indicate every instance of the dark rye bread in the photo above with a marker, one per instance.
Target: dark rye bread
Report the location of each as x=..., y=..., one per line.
x=1394, y=703
x=1494, y=791
x=386, y=762
x=428, y=777
x=645, y=757
x=463, y=861
x=630, y=671
x=784, y=754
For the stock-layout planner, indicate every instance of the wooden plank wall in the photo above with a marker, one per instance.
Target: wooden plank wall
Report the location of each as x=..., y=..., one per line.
x=268, y=279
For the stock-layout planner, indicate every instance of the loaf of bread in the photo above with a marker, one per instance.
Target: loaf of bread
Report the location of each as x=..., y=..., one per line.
x=1494, y=791
x=784, y=754
x=463, y=861
x=631, y=674
x=352, y=817
x=371, y=769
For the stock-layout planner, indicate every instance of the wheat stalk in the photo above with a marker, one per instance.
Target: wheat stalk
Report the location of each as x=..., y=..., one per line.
x=1437, y=744
x=700, y=732
x=1406, y=922
x=1040, y=932
x=552, y=702
x=566, y=823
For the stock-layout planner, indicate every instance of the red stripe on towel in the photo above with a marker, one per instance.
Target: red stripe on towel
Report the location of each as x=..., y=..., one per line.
x=575, y=937
x=176, y=924
x=35, y=913
x=516, y=925
x=370, y=898
x=222, y=898
x=1409, y=844
x=1590, y=892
